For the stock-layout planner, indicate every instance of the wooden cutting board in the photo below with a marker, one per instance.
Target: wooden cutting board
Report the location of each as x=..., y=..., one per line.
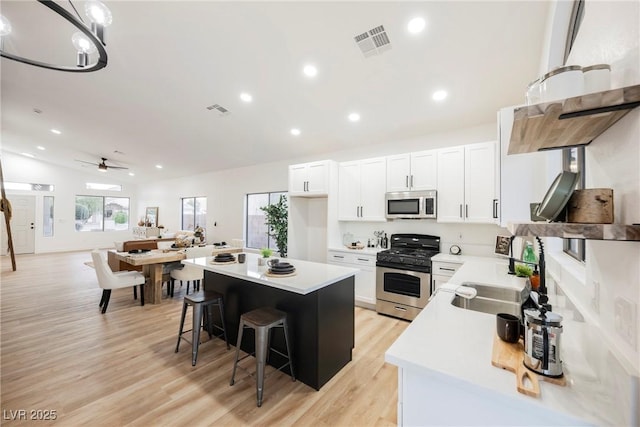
x=510, y=357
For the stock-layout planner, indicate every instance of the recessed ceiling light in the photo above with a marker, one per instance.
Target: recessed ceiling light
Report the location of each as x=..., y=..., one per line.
x=132, y=174
x=439, y=95
x=40, y=147
x=56, y=131
x=310, y=70
x=354, y=117
x=159, y=166
x=246, y=97
x=295, y=131
x=416, y=25
x=28, y=155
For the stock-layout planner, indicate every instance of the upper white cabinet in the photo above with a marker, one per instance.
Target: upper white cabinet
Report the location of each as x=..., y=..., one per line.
x=412, y=171
x=519, y=184
x=467, y=184
x=309, y=179
x=361, y=190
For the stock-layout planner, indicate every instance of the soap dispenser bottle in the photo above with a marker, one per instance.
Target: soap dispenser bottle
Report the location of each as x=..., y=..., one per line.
x=529, y=255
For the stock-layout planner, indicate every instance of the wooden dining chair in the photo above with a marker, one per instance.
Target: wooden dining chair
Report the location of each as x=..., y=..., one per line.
x=109, y=280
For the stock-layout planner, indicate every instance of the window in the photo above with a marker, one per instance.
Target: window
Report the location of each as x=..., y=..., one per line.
x=47, y=216
x=97, y=213
x=194, y=212
x=256, y=233
x=27, y=187
x=573, y=160
x=108, y=187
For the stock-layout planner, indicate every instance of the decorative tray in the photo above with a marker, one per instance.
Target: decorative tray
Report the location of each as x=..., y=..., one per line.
x=213, y=261
x=270, y=274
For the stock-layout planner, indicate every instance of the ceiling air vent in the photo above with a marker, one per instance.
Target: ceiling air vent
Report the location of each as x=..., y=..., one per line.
x=373, y=42
x=219, y=108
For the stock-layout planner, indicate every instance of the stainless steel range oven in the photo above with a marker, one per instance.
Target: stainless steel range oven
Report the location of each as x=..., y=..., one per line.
x=403, y=275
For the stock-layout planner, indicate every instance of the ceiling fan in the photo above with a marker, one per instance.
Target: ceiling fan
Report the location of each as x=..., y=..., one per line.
x=102, y=166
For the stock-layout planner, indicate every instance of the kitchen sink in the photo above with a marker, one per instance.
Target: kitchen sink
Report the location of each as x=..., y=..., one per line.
x=492, y=299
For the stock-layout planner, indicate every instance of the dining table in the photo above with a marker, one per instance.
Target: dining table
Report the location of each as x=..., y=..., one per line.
x=152, y=263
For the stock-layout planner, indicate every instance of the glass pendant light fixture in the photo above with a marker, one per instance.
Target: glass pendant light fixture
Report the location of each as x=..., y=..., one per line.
x=84, y=47
x=87, y=41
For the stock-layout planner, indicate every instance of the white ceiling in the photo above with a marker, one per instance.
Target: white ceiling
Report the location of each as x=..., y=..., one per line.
x=169, y=60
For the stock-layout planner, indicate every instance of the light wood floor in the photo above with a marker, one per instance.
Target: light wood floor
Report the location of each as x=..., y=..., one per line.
x=59, y=353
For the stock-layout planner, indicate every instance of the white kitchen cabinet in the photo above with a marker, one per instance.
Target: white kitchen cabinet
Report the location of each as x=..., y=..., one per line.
x=520, y=185
x=467, y=184
x=441, y=272
x=361, y=190
x=365, y=281
x=309, y=179
x=412, y=171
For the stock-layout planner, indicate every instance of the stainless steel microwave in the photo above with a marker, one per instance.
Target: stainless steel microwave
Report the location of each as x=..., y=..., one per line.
x=411, y=205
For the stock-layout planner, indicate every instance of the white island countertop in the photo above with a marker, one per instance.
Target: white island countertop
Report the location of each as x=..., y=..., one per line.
x=455, y=345
x=309, y=277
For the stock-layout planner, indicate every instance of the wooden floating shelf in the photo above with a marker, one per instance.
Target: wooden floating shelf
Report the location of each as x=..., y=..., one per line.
x=621, y=232
x=570, y=122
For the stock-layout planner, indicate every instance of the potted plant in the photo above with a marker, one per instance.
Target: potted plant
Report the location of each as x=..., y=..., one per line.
x=523, y=270
x=277, y=221
x=266, y=253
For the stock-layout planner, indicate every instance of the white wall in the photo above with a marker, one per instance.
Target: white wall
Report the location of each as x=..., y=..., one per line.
x=611, y=273
x=610, y=34
x=68, y=183
x=226, y=190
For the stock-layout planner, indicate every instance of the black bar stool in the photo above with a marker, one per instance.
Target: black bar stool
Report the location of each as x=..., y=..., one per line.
x=200, y=300
x=262, y=320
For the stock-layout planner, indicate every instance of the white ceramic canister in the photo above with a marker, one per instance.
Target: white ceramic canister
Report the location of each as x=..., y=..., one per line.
x=597, y=78
x=561, y=83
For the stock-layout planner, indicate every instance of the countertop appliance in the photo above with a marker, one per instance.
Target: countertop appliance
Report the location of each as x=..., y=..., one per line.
x=403, y=275
x=542, y=334
x=411, y=205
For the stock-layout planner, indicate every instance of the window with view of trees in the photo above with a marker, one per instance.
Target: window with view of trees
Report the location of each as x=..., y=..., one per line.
x=97, y=213
x=194, y=212
x=255, y=219
x=573, y=160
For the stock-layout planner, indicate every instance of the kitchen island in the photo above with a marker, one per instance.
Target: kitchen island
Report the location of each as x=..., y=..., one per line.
x=319, y=302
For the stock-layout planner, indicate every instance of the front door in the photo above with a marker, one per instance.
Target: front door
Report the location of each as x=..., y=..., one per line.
x=23, y=223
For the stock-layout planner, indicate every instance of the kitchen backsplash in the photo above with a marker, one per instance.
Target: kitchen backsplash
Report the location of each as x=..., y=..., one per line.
x=473, y=239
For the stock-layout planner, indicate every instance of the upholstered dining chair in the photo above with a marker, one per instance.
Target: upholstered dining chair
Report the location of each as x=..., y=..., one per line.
x=189, y=273
x=109, y=280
